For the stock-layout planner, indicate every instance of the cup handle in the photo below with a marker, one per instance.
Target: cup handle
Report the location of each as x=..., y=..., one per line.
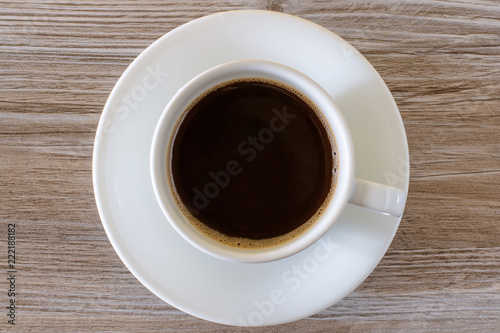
x=377, y=197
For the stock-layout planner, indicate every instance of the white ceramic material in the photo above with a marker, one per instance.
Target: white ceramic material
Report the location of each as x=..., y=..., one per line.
x=378, y=197
x=199, y=284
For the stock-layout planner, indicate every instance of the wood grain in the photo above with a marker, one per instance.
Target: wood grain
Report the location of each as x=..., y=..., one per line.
x=59, y=61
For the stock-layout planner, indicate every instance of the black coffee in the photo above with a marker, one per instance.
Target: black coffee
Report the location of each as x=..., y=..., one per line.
x=252, y=163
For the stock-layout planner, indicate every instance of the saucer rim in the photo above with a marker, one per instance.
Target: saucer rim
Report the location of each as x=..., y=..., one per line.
x=98, y=160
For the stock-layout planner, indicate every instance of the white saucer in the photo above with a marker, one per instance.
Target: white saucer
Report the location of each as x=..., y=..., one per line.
x=196, y=283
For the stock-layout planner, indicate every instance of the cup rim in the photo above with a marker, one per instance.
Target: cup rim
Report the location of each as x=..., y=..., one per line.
x=256, y=69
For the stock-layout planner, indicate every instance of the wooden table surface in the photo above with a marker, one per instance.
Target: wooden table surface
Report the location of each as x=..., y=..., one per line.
x=59, y=61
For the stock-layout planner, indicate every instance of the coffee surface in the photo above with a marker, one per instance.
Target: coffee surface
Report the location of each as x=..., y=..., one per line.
x=252, y=163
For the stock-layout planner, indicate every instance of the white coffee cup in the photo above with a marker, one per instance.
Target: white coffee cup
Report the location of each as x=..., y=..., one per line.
x=348, y=190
